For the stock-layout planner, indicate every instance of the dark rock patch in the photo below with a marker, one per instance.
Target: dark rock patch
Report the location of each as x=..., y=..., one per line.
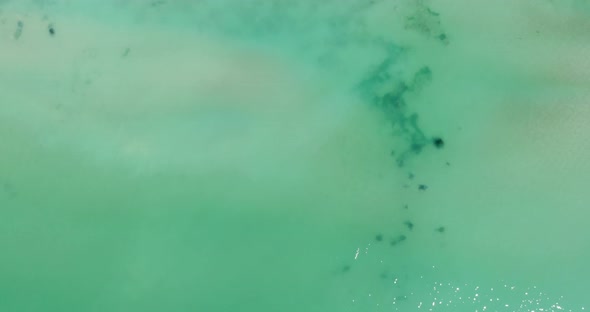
x=438, y=142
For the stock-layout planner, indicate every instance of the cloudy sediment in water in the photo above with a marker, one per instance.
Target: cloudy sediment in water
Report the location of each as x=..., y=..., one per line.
x=294, y=155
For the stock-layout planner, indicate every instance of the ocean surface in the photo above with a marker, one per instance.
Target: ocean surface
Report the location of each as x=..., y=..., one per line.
x=294, y=156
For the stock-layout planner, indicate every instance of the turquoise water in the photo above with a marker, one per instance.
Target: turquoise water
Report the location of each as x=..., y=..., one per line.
x=294, y=155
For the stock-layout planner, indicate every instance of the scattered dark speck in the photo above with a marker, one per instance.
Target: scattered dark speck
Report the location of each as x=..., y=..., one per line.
x=406, y=206
x=157, y=3
x=8, y=189
x=398, y=240
x=440, y=229
x=416, y=148
x=400, y=163
x=383, y=275
x=346, y=268
x=438, y=142
x=422, y=187
x=409, y=224
x=410, y=176
x=442, y=37
x=448, y=163
x=424, y=71
x=126, y=52
x=379, y=237
x=431, y=12
x=51, y=29
x=19, y=29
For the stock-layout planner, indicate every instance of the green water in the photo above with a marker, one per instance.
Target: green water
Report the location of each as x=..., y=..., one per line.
x=271, y=155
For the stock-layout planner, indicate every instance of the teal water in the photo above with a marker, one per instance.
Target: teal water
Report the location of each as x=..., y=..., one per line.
x=294, y=155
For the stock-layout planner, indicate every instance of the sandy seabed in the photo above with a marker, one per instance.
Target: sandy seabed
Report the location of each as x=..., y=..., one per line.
x=278, y=155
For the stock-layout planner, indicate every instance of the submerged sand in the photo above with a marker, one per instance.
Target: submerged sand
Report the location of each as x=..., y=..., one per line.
x=269, y=155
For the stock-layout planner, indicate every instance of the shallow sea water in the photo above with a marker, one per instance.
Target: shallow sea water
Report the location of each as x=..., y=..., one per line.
x=271, y=155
